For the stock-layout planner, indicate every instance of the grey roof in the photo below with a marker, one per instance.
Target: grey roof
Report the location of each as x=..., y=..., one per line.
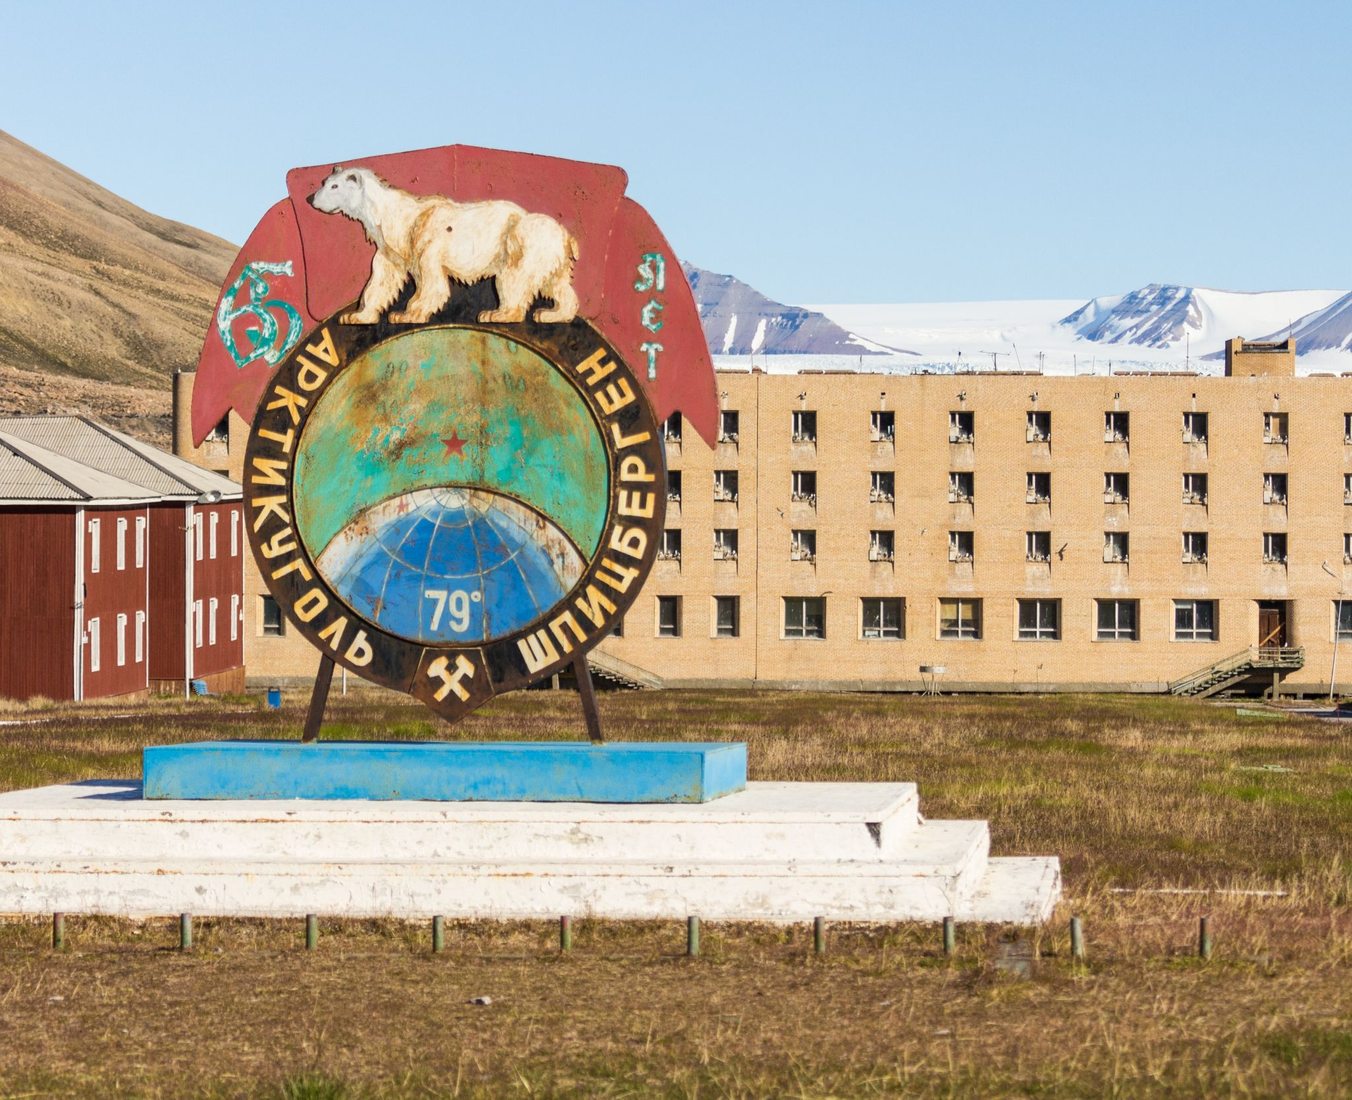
x=97, y=445
x=29, y=472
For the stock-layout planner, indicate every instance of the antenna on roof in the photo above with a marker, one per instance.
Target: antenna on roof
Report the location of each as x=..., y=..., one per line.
x=1016, y=354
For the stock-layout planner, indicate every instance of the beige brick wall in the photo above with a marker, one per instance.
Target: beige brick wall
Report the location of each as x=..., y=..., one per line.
x=1235, y=460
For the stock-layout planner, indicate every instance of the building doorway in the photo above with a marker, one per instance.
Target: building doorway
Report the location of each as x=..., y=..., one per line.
x=1273, y=630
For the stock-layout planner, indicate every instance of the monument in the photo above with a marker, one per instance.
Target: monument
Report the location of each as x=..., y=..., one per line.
x=455, y=363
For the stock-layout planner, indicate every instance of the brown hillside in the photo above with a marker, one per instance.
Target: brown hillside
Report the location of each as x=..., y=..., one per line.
x=100, y=301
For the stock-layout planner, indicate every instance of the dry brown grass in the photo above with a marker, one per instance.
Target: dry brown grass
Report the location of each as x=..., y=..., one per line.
x=1136, y=795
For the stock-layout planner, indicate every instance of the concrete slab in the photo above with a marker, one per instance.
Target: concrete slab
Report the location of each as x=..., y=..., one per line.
x=446, y=771
x=776, y=851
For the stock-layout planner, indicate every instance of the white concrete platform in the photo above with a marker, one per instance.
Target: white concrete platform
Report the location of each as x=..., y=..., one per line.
x=776, y=851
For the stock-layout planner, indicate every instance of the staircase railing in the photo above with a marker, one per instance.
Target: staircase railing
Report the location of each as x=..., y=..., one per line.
x=1251, y=659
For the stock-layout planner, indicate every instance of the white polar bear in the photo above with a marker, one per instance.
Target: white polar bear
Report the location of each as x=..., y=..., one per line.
x=434, y=240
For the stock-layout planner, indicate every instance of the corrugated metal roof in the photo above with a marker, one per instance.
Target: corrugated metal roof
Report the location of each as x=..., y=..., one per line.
x=94, y=444
x=29, y=472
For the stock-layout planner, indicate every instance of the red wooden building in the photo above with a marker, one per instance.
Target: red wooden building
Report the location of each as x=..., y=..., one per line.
x=121, y=566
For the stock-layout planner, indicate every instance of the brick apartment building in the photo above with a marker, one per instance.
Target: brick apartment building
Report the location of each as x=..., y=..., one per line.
x=1001, y=531
x=120, y=565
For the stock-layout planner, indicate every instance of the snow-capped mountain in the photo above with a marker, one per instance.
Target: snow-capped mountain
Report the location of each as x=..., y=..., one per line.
x=1165, y=316
x=739, y=320
x=1327, y=329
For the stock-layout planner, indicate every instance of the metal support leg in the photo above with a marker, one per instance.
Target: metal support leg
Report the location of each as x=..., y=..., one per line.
x=318, y=698
x=588, y=694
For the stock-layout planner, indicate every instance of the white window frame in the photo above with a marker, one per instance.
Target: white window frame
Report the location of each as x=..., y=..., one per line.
x=883, y=632
x=234, y=532
x=234, y=617
x=1117, y=632
x=735, y=602
x=1194, y=633
x=120, y=550
x=120, y=643
x=95, y=544
x=197, y=624
x=213, y=606
x=673, y=602
x=1040, y=630
x=140, y=542
x=215, y=522
x=967, y=629
x=197, y=535
x=1342, y=609
x=140, y=640
x=804, y=632
x=95, y=629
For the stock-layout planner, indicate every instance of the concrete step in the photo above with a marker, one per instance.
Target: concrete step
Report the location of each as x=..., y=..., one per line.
x=1014, y=890
x=767, y=821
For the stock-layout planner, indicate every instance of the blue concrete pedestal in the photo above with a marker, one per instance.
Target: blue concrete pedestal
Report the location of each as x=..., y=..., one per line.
x=446, y=771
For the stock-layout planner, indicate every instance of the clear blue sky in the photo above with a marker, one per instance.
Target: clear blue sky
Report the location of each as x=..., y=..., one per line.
x=826, y=152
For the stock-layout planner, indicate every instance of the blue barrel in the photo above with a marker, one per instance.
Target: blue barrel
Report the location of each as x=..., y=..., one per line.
x=274, y=697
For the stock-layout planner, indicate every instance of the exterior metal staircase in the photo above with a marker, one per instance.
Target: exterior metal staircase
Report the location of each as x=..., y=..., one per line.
x=1254, y=663
x=621, y=673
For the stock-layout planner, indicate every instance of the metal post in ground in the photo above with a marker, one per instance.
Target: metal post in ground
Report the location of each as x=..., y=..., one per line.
x=1204, y=938
x=58, y=931
x=950, y=936
x=692, y=936
x=565, y=933
x=819, y=935
x=185, y=931
x=311, y=931
x=438, y=935
x=1076, y=940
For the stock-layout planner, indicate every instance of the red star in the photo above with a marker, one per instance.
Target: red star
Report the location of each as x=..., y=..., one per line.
x=455, y=446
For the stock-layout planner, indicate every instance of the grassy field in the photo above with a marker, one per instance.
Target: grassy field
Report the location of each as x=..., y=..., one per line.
x=1162, y=810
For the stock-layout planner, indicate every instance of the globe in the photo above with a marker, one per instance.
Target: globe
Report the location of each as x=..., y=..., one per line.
x=451, y=485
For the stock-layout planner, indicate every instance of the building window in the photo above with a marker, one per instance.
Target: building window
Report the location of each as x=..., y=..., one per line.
x=804, y=426
x=805, y=616
x=960, y=618
x=1274, y=428
x=1347, y=549
x=725, y=485
x=121, y=641
x=1040, y=620
x=120, y=551
x=221, y=432
x=1194, y=488
x=883, y=618
x=1038, y=545
x=1039, y=488
x=234, y=617
x=726, y=616
x=197, y=535
x=1194, y=546
x=234, y=532
x=803, y=545
x=1194, y=428
x=1116, y=621
x=668, y=616
x=803, y=487
x=1194, y=620
x=882, y=426
x=1039, y=427
x=1116, y=427
x=882, y=487
x=197, y=618
x=215, y=522
x=617, y=631
x=1347, y=427
x=671, y=429
x=961, y=427
x=1342, y=620
x=139, y=641
x=961, y=486
x=961, y=546
x=882, y=546
x=728, y=426
x=95, y=645
x=140, y=542
x=274, y=626
x=212, y=605
x=95, y=539
x=1347, y=488
x=1274, y=547
x=725, y=544
x=1274, y=488
x=669, y=549
x=1116, y=546
x=1116, y=488
x=674, y=486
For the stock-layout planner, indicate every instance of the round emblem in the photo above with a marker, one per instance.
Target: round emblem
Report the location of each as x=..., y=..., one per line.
x=454, y=510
